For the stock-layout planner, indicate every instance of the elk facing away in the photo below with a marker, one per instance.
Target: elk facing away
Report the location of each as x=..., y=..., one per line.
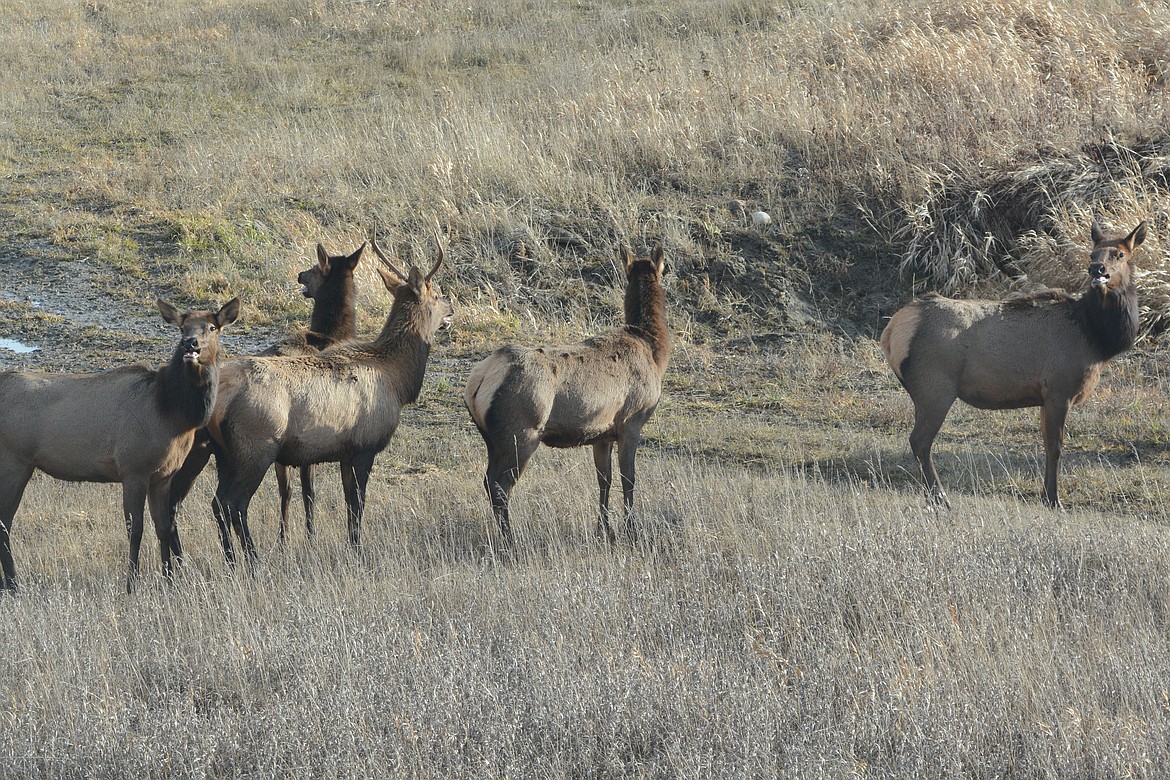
x=1045, y=349
x=599, y=392
x=132, y=425
x=341, y=404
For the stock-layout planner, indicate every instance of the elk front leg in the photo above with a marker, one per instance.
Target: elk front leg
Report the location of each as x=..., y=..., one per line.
x=1052, y=418
x=133, y=508
x=355, y=475
x=165, y=527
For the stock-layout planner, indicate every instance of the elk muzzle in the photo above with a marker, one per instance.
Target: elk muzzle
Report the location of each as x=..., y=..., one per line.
x=190, y=349
x=1098, y=274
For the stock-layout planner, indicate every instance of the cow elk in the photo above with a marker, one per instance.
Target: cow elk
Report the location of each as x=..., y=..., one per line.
x=1046, y=349
x=598, y=393
x=132, y=425
x=338, y=405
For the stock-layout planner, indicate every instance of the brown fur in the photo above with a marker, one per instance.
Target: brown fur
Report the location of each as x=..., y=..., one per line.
x=132, y=425
x=330, y=285
x=341, y=404
x=599, y=392
x=1046, y=349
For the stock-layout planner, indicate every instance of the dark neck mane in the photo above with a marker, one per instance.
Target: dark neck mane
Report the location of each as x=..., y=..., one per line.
x=334, y=320
x=1108, y=320
x=185, y=392
x=645, y=308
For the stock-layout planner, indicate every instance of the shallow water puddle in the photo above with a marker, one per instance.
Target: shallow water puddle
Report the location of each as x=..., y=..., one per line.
x=15, y=346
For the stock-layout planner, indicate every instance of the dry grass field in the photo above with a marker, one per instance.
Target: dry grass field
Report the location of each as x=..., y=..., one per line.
x=794, y=608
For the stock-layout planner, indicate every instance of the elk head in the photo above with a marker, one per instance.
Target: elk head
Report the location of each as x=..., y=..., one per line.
x=1111, y=260
x=199, y=330
x=436, y=309
x=327, y=268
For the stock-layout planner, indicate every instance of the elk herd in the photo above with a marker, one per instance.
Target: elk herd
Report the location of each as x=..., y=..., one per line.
x=323, y=395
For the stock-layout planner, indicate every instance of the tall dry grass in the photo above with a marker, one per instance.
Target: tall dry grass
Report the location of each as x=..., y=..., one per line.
x=794, y=608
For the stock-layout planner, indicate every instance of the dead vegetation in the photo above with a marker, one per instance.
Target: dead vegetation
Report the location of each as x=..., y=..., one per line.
x=791, y=609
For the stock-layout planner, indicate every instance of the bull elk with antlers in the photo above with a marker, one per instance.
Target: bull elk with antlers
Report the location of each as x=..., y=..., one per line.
x=339, y=405
x=133, y=425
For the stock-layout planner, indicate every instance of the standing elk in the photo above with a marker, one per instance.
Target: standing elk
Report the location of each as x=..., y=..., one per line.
x=340, y=404
x=599, y=392
x=330, y=285
x=1046, y=349
x=132, y=425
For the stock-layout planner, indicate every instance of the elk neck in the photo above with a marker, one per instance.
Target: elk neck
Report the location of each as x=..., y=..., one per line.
x=1109, y=319
x=404, y=345
x=335, y=321
x=186, y=392
x=645, y=309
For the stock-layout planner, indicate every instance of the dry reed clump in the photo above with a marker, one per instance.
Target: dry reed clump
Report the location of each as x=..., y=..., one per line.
x=1028, y=226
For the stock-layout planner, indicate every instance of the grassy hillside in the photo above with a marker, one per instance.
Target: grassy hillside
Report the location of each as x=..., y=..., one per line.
x=794, y=609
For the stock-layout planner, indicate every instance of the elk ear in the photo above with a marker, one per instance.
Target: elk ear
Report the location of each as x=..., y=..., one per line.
x=169, y=313
x=627, y=258
x=323, y=259
x=416, y=281
x=659, y=260
x=228, y=314
x=1134, y=239
x=352, y=261
x=1096, y=234
x=390, y=279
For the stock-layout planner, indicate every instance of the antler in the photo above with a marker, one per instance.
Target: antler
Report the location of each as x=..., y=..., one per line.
x=386, y=261
x=439, y=262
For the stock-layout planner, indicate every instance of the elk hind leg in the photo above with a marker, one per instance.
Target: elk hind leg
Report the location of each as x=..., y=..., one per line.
x=603, y=462
x=308, y=496
x=928, y=420
x=627, y=449
x=1052, y=418
x=282, y=487
x=506, y=463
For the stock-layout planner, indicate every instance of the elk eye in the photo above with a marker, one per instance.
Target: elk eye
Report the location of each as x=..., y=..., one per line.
x=211, y=327
x=1121, y=255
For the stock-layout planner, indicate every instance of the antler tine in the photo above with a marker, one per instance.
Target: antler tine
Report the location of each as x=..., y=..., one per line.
x=386, y=261
x=439, y=246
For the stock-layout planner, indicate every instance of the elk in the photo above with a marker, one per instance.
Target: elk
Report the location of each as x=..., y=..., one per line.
x=599, y=392
x=132, y=425
x=341, y=404
x=334, y=320
x=1046, y=349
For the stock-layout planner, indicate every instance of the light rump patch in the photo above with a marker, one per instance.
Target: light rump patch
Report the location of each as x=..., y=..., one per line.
x=482, y=386
x=897, y=336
